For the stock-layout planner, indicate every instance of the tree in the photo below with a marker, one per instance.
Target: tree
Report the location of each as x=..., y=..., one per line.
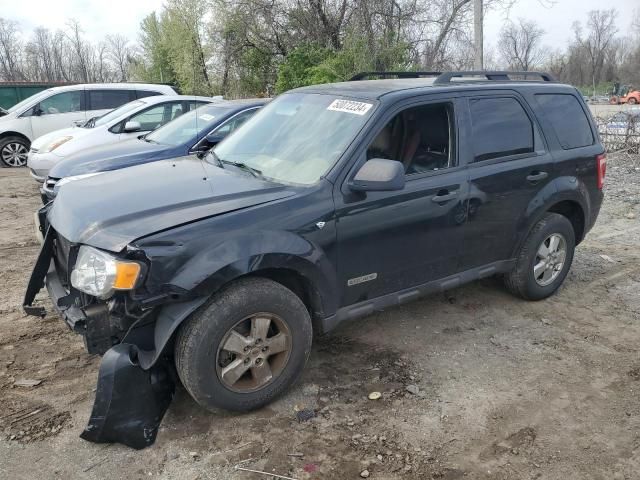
x=520, y=45
x=597, y=41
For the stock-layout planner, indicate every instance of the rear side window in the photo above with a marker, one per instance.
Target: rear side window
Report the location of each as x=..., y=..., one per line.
x=501, y=128
x=108, y=99
x=567, y=118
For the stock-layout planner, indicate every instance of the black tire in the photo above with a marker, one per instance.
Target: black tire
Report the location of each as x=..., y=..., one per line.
x=521, y=280
x=7, y=147
x=199, y=340
x=632, y=101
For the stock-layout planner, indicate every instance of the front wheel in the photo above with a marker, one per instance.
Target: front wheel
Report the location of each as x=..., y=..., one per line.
x=632, y=101
x=245, y=347
x=544, y=260
x=14, y=151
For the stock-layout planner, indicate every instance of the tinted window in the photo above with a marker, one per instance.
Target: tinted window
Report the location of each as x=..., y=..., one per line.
x=61, y=103
x=568, y=119
x=501, y=127
x=108, y=99
x=146, y=93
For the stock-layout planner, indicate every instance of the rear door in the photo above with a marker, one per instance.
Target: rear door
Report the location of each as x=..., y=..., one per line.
x=392, y=240
x=60, y=110
x=509, y=165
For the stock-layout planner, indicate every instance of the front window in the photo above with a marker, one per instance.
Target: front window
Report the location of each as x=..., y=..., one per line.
x=61, y=103
x=195, y=123
x=298, y=137
x=30, y=100
x=117, y=113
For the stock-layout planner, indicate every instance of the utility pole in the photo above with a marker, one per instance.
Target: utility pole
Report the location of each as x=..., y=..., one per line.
x=477, y=35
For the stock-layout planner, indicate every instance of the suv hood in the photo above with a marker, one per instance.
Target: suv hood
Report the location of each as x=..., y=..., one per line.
x=111, y=210
x=107, y=157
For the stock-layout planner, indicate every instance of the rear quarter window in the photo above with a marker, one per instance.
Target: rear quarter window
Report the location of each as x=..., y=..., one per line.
x=567, y=118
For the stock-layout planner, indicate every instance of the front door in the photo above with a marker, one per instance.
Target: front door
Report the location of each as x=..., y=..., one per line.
x=392, y=240
x=508, y=167
x=58, y=111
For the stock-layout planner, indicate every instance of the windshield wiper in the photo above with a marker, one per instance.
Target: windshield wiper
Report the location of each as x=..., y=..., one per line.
x=253, y=171
x=215, y=158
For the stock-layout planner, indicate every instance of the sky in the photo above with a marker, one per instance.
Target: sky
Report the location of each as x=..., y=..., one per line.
x=99, y=18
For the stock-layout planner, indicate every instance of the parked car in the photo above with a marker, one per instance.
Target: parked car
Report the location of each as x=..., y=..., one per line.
x=60, y=107
x=332, y=202
x=128, y=121
x=193, y=133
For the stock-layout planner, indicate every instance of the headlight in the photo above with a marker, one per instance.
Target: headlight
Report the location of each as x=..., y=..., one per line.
x=73, y=178
x=51, y=146
x=99, y=274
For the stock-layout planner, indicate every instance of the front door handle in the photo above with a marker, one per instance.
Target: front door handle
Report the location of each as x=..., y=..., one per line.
x=444, y=196
x=536, y=176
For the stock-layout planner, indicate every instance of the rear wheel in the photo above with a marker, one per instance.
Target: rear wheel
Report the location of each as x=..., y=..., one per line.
x=14, y=151
x=544, y=260
x=632, y=101
x=245, y=347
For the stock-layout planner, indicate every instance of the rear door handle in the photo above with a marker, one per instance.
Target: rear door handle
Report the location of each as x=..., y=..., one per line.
x=444, y=196
x=537, y=176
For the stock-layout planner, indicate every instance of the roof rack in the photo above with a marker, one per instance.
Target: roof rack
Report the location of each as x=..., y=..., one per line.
x=363, y=75
x=490, y=75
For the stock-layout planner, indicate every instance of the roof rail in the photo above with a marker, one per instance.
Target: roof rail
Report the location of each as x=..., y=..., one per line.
x=363, y=75
x=491, y=76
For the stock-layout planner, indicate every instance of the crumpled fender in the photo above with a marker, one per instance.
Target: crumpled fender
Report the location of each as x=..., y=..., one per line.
x=130, y=402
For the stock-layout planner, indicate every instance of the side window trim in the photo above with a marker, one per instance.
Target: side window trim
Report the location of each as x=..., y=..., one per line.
x=539, y=146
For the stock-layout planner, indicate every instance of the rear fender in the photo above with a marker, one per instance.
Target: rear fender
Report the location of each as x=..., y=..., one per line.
x=561, y=189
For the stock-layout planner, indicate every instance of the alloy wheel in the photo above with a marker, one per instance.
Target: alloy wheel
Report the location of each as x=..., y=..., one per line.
x=14, y=154
x=550, y=259
x=253, y=353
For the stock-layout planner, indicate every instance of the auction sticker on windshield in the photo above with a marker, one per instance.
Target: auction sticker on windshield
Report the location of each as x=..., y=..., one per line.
x=206, y=117
x=350, y=106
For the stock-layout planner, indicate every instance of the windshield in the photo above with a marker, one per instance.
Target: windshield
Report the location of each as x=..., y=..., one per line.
x=297, y=138
x=185, y=127
x=114, y=114
x=32, y=98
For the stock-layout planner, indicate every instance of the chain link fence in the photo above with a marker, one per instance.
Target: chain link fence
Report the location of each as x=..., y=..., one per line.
x=620, y=131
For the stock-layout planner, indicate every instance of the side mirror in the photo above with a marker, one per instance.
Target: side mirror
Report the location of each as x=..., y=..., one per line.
x=130, y=127
x=379, y=174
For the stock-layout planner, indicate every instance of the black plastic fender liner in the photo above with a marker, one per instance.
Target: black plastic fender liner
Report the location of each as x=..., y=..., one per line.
x=130, y=402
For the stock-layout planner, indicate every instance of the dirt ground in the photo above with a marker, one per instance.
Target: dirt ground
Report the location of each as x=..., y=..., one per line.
x=506, y=389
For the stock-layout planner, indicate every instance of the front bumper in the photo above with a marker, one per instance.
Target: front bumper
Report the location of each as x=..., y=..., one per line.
x=40, y=163
x=94, y=322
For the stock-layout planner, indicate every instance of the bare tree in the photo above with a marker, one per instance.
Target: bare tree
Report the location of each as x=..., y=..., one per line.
x=10, y=51
x=599, y=37
x=520, y=45
x=120, y=53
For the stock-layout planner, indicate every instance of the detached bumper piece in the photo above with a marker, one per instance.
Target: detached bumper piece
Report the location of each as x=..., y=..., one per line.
x=130, y=402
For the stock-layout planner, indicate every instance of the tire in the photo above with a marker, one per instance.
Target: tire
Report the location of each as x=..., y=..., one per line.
x=13, y=151
x=201, y=361
x=530, y=283
x=632, y=101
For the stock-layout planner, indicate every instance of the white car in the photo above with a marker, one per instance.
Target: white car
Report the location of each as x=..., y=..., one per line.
x=61, y=107
x=130, y=120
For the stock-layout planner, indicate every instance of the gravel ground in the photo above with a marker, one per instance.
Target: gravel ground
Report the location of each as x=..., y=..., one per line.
x=475, y=383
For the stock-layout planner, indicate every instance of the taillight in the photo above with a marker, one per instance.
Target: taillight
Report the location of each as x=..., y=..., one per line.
x=601, y=165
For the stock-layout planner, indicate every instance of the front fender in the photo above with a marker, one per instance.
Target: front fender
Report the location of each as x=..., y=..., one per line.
x=208, y=270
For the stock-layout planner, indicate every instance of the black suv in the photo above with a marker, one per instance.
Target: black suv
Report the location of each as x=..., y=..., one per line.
x=332, y=202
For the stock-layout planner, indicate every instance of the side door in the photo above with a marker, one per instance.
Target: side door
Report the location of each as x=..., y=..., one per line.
x=102, y=101
x=392, y=240
x=58, y=111
x=509, y=166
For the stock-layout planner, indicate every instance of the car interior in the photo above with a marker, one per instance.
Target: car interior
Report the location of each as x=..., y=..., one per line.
x=419, y=137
